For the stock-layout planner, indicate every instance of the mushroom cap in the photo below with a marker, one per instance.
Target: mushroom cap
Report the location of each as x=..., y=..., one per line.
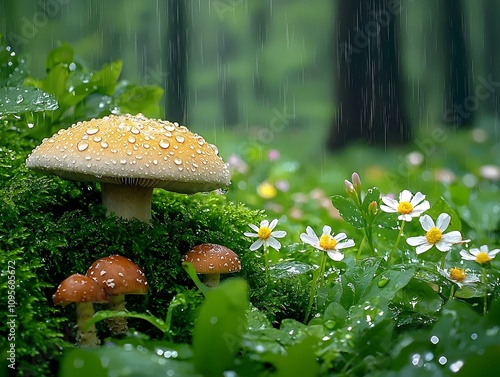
x=118, y=275
x=132, y=150
x=79, y=288
x=210, y=258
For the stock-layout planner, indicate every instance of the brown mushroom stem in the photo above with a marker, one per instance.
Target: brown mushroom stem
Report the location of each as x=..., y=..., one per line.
x=117, y=325
x=127, y=201
x=88, y=337
x=211, y=280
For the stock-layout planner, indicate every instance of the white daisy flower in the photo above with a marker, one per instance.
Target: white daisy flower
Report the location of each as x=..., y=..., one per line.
x=481, y=255
x=266, y=235
x=408, y=206
x=434, y=234
x=458, y=276
x=327, y=242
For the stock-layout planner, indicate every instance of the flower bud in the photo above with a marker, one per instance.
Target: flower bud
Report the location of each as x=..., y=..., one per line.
x=356, y=182
x=372, y=208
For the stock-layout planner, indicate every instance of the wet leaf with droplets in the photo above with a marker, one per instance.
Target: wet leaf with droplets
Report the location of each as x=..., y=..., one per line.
x=25, y=99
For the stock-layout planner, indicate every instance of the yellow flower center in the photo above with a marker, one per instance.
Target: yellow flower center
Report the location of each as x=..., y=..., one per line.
x=483, y=258
x=433, y=236
x=457, y=274
x=327, y=242
x=264, y=233
x=405, y=208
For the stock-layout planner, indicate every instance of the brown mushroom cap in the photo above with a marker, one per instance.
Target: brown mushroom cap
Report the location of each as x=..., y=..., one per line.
x=132, y=150
x=118, y=275
x=79, y=288
x=209, y=258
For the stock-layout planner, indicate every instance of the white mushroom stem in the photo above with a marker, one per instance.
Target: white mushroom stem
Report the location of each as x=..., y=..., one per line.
x=88, y=337
x=117, y=325
x=211, y=280
x=127, y=201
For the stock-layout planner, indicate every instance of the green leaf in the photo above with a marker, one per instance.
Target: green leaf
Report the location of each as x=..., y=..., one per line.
x=189, y=268
x=106, y=78
x=133, y=99
x=299, y=360
x=62, y=55
x=25, y=99
x=106, y=314
x=470, y=291
x=442, y=206
x=55, y=81
x=220, y=326
x=290, y=268
x=348, y=210
x=394, y=280
x=123, y=360
x=13, y=68
x=372, y=195
x=459, y=194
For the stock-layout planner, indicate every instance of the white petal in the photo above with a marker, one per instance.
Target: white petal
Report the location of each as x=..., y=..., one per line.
x=424, y=206
x=249, y=234
x=443, y=221
x=466, y=256
x=390, y=202
x=415, y=241
x=484, y=249
x=340, y=237
x=343, y=245
x=443, y=245
x=274, y=243
x=256, y=245
x=417, y=199
x=327, y=229
x=405, y=217
x=388, y=209
x=492, y=253
x=254, y=227
x=264, y=223
x=426, y=222
x=475, y=252
x=405, y=196
x=278, y=233
x=335, y=255
x=452, y=237
x=273, y=224
x=423, y=248
x=310, y=232
x=313, y=241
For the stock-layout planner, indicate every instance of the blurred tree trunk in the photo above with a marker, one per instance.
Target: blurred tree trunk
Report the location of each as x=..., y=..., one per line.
x=491, y=40
x=460, y=103
x=370, y=103
x=177, y=39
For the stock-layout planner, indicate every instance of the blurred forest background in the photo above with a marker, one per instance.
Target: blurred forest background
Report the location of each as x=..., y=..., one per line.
x=318, y=74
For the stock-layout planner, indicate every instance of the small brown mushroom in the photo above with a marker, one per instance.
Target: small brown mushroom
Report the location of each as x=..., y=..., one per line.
x=82, y=291
x=210, y=260
x=130, y=156
x=118, y=276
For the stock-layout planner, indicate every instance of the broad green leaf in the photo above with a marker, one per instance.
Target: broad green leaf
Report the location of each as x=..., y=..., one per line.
x=421, y=297
x=470, y=291
x=133, y=99
x=62, y=55
x=459, y=194
x=106, y=78
x=442, y=206
x=25, y=99
x=220, y=326
x=291, y=268
x=299, y=360
x=55, y=81
x=105, y=314
x=335, y=315
x=348, y=210
x=124, y=360
x=394, y=280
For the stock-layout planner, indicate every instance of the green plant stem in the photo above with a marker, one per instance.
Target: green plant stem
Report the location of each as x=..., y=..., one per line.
x=443, y=258
x=266, y=257
x=452, y=291
x=314, y=286
x=484, y=281
x=360, y=248
x=397, y=240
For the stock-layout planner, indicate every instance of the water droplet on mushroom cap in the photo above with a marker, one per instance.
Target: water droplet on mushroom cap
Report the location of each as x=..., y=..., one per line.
x=153, y=150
